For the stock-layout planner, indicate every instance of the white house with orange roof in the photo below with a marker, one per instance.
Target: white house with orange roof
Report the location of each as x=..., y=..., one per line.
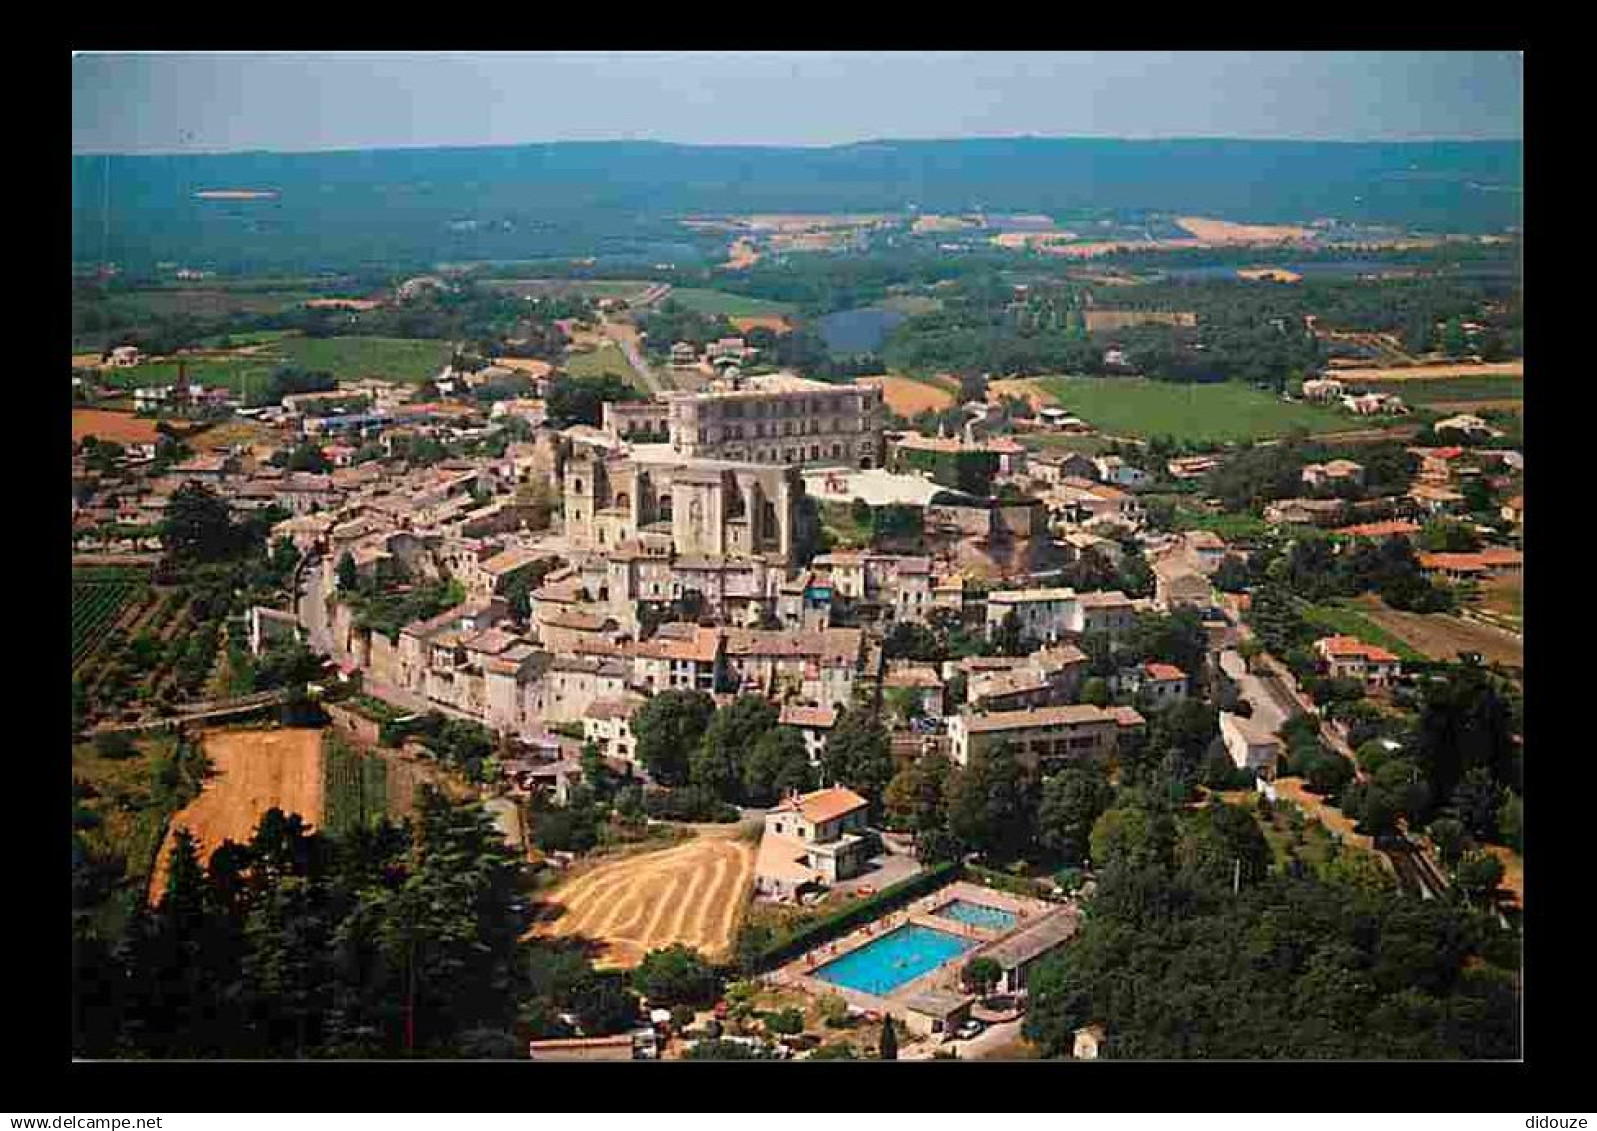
x=1156, y=684
x=1348, y=657
x=814, y=723
x=812, y=839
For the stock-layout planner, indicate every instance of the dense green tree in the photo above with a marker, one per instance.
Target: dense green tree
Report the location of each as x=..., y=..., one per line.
x=1448, y=836
x=858, y=754
x=909, y=640
x=888, y=1050
x=1477, y=875
x=719, y=761
x=668, y=728
x=348, y=579
x=198, y=526
x=982, y=975
x=1072, y=800
x=581, y=400
x=676, y=975
x=1511, y=821
x=915, y=797
x=776, y=765
x=1466, y=723
x=992, y=803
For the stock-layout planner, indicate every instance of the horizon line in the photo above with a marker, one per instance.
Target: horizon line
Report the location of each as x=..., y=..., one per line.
x=818, y=146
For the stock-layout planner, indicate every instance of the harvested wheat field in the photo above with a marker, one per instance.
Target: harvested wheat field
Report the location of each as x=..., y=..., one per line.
x=251, y=771
x=692, y=893
x=1506, y=369
x=1224, y=231
x=907, y=397
x=1024, y=387
x=121, y=427
x=1269, y=275
x=773, y=322
x=528, y=365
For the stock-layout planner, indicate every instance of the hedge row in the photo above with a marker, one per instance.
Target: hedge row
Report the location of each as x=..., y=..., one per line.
x=1003, y=881
x=824, y=930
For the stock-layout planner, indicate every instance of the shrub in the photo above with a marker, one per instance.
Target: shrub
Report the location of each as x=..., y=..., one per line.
x=690, y=803
x=790, y=1020
x=823, y=930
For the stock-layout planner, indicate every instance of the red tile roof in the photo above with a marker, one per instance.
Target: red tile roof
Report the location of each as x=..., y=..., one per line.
x=824, y=804
x=1351, y=647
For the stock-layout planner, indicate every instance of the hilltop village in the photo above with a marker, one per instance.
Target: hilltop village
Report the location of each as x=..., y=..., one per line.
x=817, y=722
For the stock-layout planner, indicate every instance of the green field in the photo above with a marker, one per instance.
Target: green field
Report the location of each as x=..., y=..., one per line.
x=1057, y=443
x=1339, y=619
x=348, y=359
x=239, y=375
x=1451, y=389
x=1192, y=413
x=607, y=358
x=733, y=306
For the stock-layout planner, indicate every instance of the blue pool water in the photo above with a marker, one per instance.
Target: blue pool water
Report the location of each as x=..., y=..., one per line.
x=900, y=956
x=978, y=914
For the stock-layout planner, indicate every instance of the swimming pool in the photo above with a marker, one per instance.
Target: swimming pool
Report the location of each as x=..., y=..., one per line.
x=899, y=956
x=978, y=914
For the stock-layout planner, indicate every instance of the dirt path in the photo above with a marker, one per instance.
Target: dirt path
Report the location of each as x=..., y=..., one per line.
x=253, y=771
x=690, y=893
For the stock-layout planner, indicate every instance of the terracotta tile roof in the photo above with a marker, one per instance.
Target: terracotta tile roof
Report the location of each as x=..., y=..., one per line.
x=616, y=707
x=574, y=620
x=824, y=804
x=701, y=647
x=508, y=561
x=1079, y=714
x=841, y=644
x=1379, y=529
x=1128, y=717
x=820, y=718
x=1112, y=598
x=916, y=676
x=1351, y=647
x=1163, y=671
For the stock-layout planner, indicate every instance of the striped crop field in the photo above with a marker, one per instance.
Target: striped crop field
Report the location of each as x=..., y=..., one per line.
x=354, y=786
x=98, y=598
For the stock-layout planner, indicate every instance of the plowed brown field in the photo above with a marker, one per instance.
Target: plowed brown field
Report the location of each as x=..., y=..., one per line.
x=690, y=894
x=253, y=771
x=119, y=427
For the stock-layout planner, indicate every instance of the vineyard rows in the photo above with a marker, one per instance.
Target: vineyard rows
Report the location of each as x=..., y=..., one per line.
x=355, y=786
x=95, y=608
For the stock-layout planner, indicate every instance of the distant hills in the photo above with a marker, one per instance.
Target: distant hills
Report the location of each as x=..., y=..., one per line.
x=620, y=199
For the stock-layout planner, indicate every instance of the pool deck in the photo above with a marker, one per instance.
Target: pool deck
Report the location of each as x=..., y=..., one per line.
x=800, y=973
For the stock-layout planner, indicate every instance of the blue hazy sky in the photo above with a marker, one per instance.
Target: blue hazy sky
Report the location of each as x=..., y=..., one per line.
x=174, y=103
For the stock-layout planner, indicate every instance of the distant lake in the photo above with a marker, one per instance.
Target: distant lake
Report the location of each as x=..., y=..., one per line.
x=858, y=331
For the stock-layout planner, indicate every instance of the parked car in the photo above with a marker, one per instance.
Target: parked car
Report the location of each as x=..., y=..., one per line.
x=969, y=1029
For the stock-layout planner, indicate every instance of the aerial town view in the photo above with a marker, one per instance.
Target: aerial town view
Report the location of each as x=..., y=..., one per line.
x=947, y=587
